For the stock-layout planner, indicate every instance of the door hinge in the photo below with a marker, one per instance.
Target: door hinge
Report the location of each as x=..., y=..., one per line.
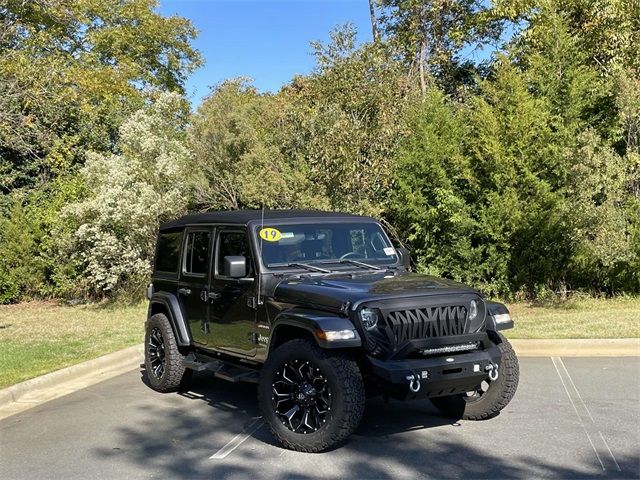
x=252, y=302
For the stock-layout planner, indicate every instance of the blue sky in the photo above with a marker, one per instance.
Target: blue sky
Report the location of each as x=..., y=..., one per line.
x=266, y=40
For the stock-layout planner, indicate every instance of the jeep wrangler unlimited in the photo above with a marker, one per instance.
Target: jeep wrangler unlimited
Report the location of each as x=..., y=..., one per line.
x=318, y=308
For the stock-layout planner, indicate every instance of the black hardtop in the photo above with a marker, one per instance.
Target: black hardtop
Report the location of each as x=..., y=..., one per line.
x=243, y=217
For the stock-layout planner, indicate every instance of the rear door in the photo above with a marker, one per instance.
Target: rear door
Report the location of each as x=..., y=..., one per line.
x=194, y=280
x=233, y=320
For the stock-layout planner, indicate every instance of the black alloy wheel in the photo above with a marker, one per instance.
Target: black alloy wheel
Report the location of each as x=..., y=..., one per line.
x=163, y=360
x=156, y=353
x=301, y=396
x=311, y=398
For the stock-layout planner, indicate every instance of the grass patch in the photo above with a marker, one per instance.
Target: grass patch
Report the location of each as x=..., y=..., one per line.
x=577, y=318
x=41, y=337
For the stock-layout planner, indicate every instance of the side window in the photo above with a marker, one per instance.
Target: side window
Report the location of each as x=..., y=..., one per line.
x=196, y=253
x=168, y=255
x=232, y=243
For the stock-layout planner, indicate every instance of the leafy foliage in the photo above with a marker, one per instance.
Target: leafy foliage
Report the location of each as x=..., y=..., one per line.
x=71, y=71
x=520, y=175
x=131, y=192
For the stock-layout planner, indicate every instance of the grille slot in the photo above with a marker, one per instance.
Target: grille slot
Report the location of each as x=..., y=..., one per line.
x=429, y=322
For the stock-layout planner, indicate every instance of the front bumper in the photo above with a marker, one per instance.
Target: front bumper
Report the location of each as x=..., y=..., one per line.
x=439, y=375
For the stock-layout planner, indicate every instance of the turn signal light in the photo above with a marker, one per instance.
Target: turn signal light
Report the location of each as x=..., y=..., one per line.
x=336, y=335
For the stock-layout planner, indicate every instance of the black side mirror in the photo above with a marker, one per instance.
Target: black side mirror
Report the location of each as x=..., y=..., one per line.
x=235, y=266
x=405, y=257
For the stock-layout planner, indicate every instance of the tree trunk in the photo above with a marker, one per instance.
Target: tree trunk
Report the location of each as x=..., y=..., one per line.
x=374, y=22
x=421, y=59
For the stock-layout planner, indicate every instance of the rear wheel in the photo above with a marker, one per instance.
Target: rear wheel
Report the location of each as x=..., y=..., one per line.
x=311, y=399
x=162, y=359
x=491, y=396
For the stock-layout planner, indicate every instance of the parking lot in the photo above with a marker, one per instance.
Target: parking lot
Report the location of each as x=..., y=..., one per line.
x=571, y=418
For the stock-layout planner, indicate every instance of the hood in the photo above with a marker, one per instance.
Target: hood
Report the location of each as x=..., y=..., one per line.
x=333, y=290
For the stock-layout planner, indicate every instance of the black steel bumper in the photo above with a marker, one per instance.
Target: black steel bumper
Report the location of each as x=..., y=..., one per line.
x=446, y=374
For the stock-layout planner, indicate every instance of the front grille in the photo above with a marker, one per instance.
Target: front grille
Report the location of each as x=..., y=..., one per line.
x=427, y=322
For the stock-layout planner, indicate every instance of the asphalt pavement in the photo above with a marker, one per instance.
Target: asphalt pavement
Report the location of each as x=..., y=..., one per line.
x=571, y=418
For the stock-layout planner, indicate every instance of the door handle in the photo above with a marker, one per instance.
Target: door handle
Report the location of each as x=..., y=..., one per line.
x=214, y=295
x=184, y=291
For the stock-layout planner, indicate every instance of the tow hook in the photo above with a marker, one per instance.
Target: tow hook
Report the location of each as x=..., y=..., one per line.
x=492, y=368
x=414, y=383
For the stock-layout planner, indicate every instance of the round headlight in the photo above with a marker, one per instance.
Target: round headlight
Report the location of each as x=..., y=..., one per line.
x=369, y=318
x=473, y=310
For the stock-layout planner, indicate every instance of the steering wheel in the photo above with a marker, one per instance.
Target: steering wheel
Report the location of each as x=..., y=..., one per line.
x=351, y=254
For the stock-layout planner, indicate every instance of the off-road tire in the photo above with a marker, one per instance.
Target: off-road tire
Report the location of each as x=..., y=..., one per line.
x=175, y=376
x=497, y=397
x=345, y=383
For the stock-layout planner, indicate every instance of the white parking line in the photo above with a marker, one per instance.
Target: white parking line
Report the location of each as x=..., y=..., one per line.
x=591, y=427
x=236, y=441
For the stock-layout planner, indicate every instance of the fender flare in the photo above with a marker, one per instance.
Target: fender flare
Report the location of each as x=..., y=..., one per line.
x=313, y=320
x=495, y=308
x=174, y=312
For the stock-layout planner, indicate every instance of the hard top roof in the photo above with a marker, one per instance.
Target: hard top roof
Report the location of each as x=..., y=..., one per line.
x=243, y=217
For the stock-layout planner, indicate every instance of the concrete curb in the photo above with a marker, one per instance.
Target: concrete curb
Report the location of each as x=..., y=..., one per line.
x=36, y=391
x=595, y=347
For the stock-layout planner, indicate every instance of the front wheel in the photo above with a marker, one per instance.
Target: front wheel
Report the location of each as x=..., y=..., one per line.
x=311, y=399
x=491, y=396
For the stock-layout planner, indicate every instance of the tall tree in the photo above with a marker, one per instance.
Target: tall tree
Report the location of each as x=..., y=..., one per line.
x=429, y=34
x=72, y=70
x=374, y=21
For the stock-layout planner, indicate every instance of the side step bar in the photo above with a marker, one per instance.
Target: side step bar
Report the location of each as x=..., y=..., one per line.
x=221, y=369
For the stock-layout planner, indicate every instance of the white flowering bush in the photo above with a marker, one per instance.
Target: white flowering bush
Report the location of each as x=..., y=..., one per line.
x=130, y=192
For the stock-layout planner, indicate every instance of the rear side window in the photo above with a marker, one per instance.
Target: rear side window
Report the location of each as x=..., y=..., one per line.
x=196, y=254
x=168, y=252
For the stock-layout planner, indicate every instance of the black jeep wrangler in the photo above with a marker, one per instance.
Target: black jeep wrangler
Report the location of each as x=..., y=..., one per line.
x=318, y=308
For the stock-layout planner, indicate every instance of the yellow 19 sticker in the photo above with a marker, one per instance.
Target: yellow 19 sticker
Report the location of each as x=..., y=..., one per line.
x=270, y=234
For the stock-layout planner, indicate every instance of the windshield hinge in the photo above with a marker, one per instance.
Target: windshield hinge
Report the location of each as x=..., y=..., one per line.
x=252, y=302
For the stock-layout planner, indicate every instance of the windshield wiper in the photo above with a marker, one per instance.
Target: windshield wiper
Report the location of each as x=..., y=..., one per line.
x=303, y=265
x=354, y=262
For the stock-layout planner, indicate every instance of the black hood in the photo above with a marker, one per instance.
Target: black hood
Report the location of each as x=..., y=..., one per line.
x=333, y=290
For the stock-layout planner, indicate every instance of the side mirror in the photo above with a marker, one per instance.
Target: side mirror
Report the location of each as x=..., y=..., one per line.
x=235, y=266
x=405, y=257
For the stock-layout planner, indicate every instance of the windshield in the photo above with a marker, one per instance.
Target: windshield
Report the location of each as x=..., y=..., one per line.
x=283, y=244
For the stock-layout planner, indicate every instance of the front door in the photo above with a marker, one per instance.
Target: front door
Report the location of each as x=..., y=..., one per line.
x=233, y=320
x=194, y=281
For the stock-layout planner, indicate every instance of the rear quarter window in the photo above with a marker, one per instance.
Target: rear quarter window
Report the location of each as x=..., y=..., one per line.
x=168, y=252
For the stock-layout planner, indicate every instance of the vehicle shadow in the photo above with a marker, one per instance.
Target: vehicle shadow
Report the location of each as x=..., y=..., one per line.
x=394, y=440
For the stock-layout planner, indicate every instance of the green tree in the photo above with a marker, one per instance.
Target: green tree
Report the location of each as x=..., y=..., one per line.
x=237, y=160
x=433, y=184
x=111, y=244
x=430, y=35
x=343, y=121
x=606, y=30
x=71, y=71
x=21, y=268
